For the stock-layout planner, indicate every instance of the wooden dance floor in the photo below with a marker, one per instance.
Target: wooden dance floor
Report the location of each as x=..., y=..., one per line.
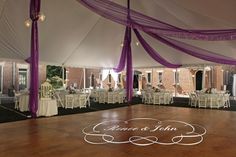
x=139, y=130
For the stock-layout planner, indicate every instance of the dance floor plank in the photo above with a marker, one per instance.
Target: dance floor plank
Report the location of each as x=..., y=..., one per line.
x=62, y=135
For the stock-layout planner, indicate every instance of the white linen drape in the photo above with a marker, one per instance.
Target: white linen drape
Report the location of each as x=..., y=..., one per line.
x=105, y=73
x=115, y=77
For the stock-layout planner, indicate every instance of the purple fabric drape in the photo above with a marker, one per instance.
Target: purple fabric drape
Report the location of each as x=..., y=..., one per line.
x=162, y=31
x=195, y=51
x=126, y=58
x=123, y=56
x=153, y=53
x=159, y=30
x=34, y=57
x=129, y=71
x=129, y=65
x=118, y=13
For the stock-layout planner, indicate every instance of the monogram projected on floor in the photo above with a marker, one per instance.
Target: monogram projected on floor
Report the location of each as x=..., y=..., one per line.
x=144, y=132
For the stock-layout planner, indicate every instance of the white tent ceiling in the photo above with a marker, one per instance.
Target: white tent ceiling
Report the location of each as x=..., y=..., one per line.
x=75, y=36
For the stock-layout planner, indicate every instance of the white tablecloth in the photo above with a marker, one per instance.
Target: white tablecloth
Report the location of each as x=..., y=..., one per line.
x=47, y=107
x=23, y=102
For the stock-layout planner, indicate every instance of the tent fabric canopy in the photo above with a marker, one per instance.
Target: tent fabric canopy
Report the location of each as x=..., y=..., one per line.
x=74, y=36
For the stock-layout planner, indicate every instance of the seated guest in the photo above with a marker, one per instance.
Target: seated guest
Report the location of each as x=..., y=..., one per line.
x=213, y=90
x=98, y=86
x=208, y=91
x=110, y=89
x=157, y=90
x=71, y=89
x=75, y=85
x=148, y=86
x=119, y=86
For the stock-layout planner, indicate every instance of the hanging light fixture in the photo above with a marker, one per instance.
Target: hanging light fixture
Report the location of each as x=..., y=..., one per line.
x=42, y=17
x=137, y=43
x=121, y=44
x=27, y=23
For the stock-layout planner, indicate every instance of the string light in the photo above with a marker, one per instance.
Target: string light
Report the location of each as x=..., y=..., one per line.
x=27, y=23
x=208, y=68
x=41, y=17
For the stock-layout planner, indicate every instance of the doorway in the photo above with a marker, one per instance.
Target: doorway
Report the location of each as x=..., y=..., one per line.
x=136, y=79
x=199, y=80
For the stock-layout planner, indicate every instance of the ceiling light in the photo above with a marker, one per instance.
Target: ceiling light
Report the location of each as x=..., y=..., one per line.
x=28, y=23
x=42, y=17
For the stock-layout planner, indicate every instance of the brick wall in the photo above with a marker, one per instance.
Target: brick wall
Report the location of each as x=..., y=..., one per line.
x=167, y=77
x=89, y=73
x=42, y=73
x=75, y=75
x=218, y=77
x=187, y=78
x=8, y=74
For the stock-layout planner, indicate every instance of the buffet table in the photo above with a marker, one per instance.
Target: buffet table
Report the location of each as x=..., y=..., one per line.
x=47, y=107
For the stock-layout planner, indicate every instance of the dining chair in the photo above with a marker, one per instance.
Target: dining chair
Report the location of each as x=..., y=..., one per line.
x=69, y=101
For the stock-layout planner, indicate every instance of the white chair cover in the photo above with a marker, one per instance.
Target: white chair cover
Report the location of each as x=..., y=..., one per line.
x=46, y=90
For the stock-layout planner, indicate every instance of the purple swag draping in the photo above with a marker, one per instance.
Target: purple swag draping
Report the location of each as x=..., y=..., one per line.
x=126, y=57
x=161, y=31
x=34, y=16
x=194, y=51
x=129, y=64
x=153, y=53
x=118, y=13
x=123, y=56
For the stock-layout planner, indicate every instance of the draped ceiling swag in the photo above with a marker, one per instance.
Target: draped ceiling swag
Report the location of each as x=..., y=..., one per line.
x=75, y=36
